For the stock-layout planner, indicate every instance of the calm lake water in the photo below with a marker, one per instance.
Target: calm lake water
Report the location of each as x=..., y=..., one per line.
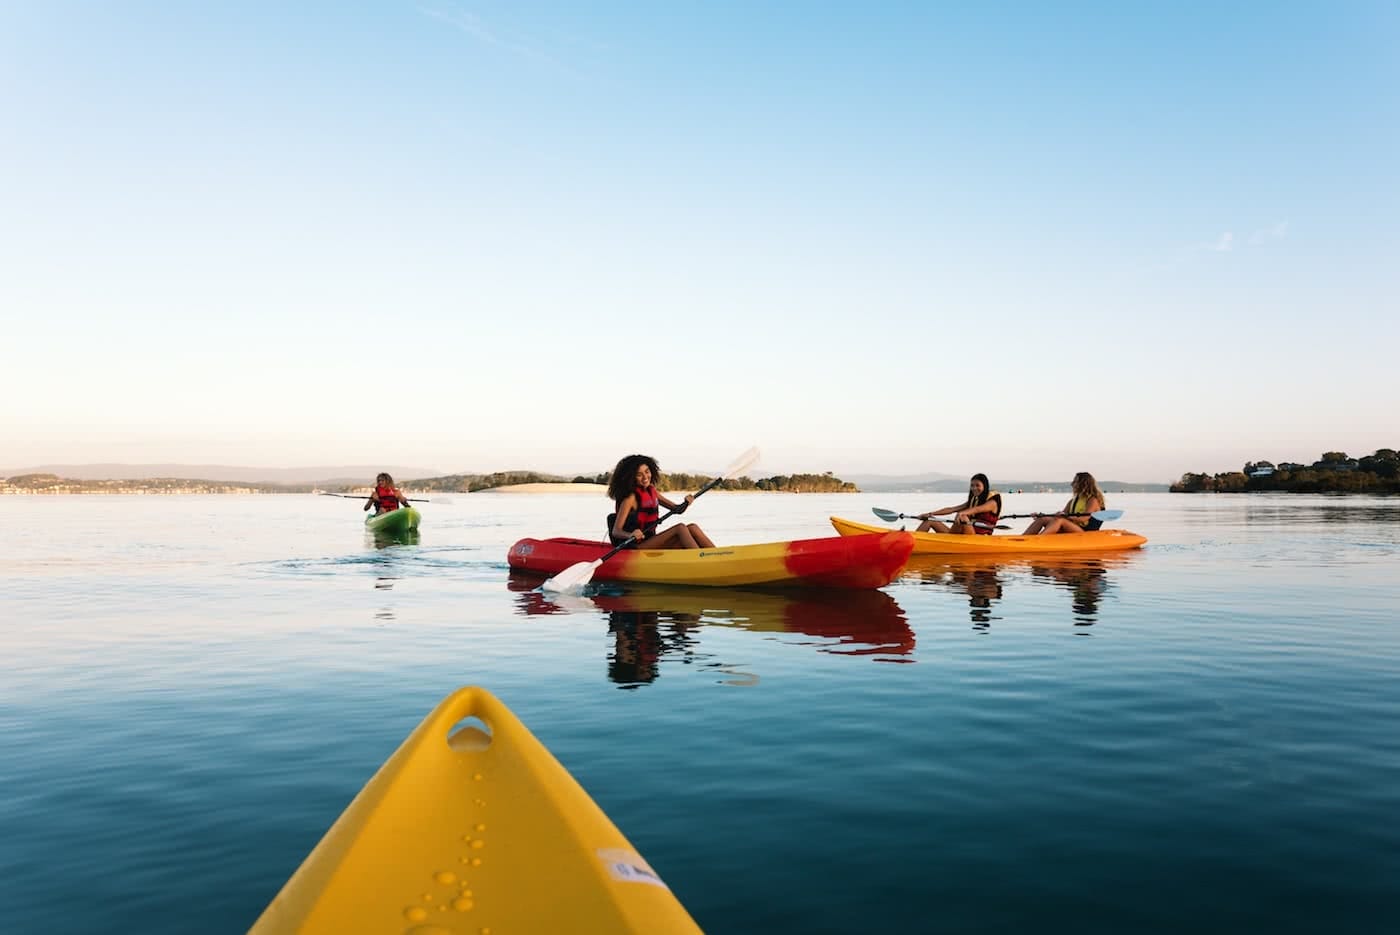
x=1204, y=735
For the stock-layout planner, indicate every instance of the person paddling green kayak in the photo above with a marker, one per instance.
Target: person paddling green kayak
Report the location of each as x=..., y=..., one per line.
x=386, y=497
x=392, y=514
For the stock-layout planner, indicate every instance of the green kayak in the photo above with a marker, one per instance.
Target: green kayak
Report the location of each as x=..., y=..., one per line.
x=394, y=522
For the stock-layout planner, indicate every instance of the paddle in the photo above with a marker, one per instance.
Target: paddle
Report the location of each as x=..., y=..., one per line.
x=1102, y=516
x=891, y=516
x=579, y=574
x=366, y=496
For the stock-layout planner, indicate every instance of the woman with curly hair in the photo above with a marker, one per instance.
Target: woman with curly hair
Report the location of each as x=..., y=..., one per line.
x=638, y=505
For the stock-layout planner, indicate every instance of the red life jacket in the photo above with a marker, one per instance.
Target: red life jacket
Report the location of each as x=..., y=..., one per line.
x=988, y=516
x=385, y=499
x=646, y=515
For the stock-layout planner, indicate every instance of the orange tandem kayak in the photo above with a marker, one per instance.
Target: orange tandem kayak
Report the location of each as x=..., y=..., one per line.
x=932, y=543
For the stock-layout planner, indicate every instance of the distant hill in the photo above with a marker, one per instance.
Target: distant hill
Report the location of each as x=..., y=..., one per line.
x=889, y=482
x=222, y=472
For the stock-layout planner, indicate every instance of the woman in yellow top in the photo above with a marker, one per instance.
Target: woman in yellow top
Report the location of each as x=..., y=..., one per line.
x=975, y=516
x=1086, y=498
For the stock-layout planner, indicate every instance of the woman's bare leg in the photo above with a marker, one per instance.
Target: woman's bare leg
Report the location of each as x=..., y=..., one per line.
x=698, y=534
x=932, y=525
x=676, y=537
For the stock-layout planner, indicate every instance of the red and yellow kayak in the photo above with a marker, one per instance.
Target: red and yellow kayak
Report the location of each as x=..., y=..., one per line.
x=465, y=831
x=932, y=543
x=869, y=561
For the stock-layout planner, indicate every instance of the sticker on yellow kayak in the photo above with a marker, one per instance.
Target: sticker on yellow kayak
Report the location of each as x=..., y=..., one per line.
x=629, y=867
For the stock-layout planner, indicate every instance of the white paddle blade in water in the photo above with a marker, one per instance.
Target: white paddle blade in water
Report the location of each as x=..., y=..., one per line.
x=573, y=578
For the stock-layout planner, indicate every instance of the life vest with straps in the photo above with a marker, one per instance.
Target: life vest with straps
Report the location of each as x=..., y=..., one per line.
x=644, y=517
x=988, y=515
x=385, y=499
x=1081, y=505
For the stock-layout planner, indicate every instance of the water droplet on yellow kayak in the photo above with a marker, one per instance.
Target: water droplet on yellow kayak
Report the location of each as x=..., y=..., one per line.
x=462, y=905
x=445, y=877
x=478, y=844
x=415, y=913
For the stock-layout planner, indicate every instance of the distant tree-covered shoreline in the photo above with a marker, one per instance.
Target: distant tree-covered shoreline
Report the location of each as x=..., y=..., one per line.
x=451, y=483
x=781, y=483
x=1334, y=472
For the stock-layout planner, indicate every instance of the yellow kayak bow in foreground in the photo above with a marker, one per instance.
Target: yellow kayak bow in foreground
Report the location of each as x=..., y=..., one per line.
x=462, y=831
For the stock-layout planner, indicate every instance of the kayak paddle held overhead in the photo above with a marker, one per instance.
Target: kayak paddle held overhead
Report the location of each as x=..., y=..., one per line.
x=576, y=576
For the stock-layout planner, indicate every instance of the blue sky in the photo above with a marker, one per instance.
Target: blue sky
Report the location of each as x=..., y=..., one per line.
x=1025, y=239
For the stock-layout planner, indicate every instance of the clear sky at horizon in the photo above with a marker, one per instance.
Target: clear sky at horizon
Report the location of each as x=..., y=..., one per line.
x=1022, y=238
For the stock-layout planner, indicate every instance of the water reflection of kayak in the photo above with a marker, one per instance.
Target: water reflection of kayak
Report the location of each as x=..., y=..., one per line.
x=934, y=567
x=863, y=622
x=983, y=579
x=384, y=540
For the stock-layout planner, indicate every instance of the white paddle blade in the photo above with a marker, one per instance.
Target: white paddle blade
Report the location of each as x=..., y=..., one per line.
x=742, y=464
x=573, y=578
x=888, y=516
x=1104, y=516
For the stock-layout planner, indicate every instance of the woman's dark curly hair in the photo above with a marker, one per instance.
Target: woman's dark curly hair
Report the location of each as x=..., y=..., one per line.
x=624, y=477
